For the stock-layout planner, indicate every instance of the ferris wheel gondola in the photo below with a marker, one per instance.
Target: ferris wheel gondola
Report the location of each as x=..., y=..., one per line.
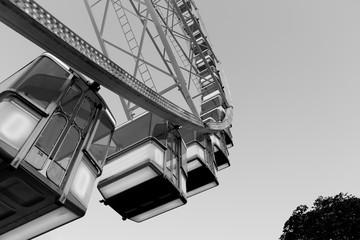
x=76, y=151
x=55, y=131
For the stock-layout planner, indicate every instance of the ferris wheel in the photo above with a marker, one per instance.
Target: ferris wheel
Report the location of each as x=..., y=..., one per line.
x=156, y=56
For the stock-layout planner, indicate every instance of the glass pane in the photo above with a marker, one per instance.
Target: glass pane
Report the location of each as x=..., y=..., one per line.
x=171, y=141
x=183, y=159
x=44, y=82
x=36, y=158
x=100, y=143
x=55, y=173
x=62, y=160
x=201, y=138
x=112, y=148
x=15, y=77
x=68, y=147
x=51, y=133
x=171, y=164
x=70, y=100
x=187, y=134
x=83, y=116
x=209, y=157
x=208, y=145
x=158, y=128
x=173, y=153
x=132, y=132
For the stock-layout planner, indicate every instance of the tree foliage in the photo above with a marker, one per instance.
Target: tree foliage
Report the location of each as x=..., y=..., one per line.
x=331, y=218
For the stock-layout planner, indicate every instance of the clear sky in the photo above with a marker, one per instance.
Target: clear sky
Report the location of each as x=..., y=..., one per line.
x=293, y=70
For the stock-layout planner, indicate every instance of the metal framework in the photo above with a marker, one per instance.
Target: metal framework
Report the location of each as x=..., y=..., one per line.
x=163, y=25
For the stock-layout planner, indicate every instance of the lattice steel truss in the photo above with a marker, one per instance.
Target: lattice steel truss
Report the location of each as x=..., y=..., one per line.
x=163, y=26
x=167, y=28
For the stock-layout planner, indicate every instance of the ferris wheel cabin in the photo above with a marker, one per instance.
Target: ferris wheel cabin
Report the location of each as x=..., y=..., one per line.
x=213, y=110
x=220, y=150
x=145, y=173
x=184, y=6
x=200, y=162
x=55, y=131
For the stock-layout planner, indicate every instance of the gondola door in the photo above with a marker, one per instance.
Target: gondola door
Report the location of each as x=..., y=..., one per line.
x=53, y=151
x=47, y=172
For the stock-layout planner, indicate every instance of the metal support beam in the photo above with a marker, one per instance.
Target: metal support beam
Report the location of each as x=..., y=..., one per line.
x=39, y=26
x=141, y=60
x=219, y=86
x=141, y=43
x=98, y=34
x=171, y=56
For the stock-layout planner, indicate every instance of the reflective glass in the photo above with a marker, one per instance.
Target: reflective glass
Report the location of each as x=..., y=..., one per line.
x=183, y=157
x=71, y=99
x=68, y=147
x=36, y=158
x=55, y=173
x=187, y=134
x=51, y=133
x=100, y=143
x=112, y=148
x=132, y=132
x=172, y=156
x=158, y=128
x=44, y=82
x=84, y=114
x=10, y=81
x=61, y=163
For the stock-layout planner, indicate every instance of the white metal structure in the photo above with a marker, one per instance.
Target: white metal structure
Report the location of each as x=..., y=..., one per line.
x=35, y=23
x=169, y=69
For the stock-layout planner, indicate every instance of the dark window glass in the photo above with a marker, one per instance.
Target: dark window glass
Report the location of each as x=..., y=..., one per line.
x=100, y=143
x=44, y=82
x=173, y=156
x=187, y=134
x=70, y=100
x=51, y=133
x=84, y=114
x=171, y=140
x=183, y=158
x=40, y=152
x=112, y=148
x=62, y=160
x=158, y=128
x=132, y=132
x=67, y=147
x=209, y=153
x=201, y=138
x=10, y=81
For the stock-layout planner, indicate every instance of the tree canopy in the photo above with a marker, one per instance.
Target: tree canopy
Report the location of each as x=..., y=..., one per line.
x=330, y=218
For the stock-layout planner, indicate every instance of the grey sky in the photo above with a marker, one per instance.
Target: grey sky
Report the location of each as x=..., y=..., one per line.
x=293, y=69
